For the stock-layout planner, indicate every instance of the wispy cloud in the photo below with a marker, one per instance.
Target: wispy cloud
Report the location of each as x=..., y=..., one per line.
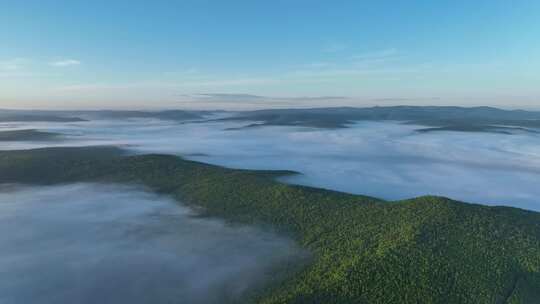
x=404, y=99
x=376, y=58
x=334, y=47
x=65, y=63
x=350, y=74
x=232, y=82
x=22, y=68
x=228, y=96
x=318, y=65
x=14, y=64
x=167, y=85
x=252, y=97
x=376, y=54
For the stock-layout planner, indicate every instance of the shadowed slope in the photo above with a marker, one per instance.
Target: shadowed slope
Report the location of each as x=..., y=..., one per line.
x=27, y=135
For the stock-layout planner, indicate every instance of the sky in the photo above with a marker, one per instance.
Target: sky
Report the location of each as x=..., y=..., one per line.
x=256, y=54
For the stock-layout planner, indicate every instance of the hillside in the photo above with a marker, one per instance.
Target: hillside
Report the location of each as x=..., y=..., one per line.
x=78, y=116
x=365, y=250
x=174, y=115
x=27, y=135
x=466, y=119
x=12, y=117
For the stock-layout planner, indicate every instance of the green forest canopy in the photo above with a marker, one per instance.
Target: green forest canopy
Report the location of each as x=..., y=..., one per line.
x=365, y=250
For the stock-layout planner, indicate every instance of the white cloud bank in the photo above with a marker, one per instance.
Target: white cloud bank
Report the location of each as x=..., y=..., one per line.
x=387, y=160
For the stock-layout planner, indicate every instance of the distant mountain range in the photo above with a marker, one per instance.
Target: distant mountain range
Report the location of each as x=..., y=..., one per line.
x=27, y=135
x=77, y=116
x=29, y=116
x=458, y=118
x=440, y=118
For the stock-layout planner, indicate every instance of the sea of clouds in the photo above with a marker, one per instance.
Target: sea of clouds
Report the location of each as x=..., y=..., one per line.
x=389, y=160
x=93, y=243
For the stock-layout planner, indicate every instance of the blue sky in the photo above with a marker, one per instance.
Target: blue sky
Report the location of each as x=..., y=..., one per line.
x=203, y=54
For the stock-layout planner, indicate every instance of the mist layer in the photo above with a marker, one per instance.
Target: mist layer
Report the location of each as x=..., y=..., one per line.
x=390, y=160
x=90, y=243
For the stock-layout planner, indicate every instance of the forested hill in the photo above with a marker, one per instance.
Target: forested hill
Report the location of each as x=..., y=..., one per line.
x=20, y=117
x=79, y=116
x=365, y=250
x=465, y=118
x=28, y=135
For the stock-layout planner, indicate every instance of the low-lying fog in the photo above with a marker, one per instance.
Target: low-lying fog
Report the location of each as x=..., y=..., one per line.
x=383, y=159
x=91, y=243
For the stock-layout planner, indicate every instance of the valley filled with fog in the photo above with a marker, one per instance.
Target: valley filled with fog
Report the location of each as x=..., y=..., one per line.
x=385, y=159
x=95, y=243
